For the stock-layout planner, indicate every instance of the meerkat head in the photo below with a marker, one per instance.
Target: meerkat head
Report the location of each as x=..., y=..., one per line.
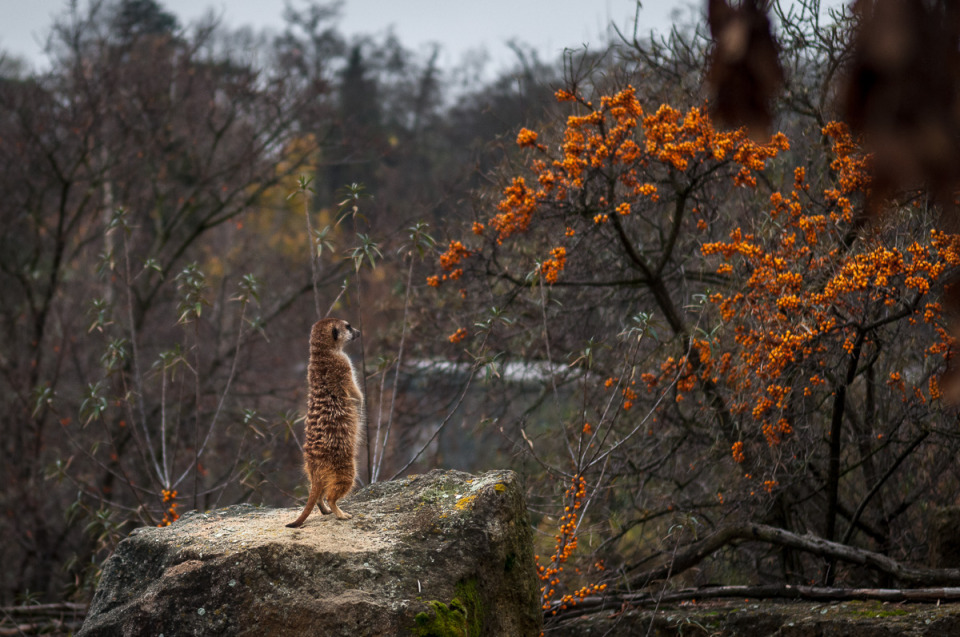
x=332, y=333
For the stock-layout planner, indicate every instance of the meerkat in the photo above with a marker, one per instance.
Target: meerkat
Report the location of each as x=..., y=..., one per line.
x=334, y=413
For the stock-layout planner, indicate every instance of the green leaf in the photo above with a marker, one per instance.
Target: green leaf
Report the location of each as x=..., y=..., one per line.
x=93, y=405
x=191, y=284
x=42, y=398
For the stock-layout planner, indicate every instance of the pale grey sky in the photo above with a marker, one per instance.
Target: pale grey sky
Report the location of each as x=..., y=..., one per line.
x=458, y=25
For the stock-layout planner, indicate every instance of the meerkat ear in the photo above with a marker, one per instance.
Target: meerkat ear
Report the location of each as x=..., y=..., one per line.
x=336, y=333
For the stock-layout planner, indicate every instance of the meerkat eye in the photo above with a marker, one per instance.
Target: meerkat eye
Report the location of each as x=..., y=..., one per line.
x=336, y=333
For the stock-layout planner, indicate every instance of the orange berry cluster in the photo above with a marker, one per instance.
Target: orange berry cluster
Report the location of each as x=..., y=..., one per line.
x=613, y=138
x=171, y=515
x=449, y=260
x=526, y=138
x=566, y=543
x=805, y=292
x=700, y=365
x=737, y=450
x=516, y=209
x=453, y=256
x=552, y=267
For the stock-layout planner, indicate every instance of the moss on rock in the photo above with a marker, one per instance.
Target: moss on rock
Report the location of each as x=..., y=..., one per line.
x=462, y=618
x=445, y=621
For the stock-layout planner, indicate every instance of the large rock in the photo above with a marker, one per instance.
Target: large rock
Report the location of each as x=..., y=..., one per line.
x=445, y=553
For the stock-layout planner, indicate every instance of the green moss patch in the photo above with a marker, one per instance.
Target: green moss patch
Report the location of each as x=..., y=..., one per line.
x=445, y=621
x=463, y=617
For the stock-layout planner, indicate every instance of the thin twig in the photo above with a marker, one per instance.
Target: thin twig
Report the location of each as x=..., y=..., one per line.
x=135, y=352
x=223, y=395
x=314, y=257
x=396, y=374
x=463, y=394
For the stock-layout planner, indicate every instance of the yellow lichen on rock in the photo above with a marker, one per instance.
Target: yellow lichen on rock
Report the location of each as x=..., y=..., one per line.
x=465, y=502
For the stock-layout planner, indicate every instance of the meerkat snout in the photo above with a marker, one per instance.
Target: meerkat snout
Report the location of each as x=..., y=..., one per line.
x=345, y=333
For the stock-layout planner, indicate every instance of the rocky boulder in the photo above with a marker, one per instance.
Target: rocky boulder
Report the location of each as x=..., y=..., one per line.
x=445, y=554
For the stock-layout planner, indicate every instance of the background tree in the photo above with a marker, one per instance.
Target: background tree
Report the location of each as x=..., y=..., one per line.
x=143, y=117
x=710, y=369
x=153, y=266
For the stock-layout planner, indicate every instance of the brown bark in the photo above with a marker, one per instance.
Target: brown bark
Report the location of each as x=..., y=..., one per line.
x=773, y=591
x=41, y=618
x=907, y=575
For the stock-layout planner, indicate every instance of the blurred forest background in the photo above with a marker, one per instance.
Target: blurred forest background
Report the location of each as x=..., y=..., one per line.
x=667, y=328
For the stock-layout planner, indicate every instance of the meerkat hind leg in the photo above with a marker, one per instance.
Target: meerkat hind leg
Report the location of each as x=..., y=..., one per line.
x=324, y=507
x=337, y=488
x=340, y=513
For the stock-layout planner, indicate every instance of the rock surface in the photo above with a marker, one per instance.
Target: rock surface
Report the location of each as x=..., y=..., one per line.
x=445, y=553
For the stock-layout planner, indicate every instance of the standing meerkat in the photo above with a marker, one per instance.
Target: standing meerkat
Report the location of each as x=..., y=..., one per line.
x=334, y=413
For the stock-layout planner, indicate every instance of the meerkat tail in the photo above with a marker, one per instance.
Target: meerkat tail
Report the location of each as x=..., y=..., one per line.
x=315, y=489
